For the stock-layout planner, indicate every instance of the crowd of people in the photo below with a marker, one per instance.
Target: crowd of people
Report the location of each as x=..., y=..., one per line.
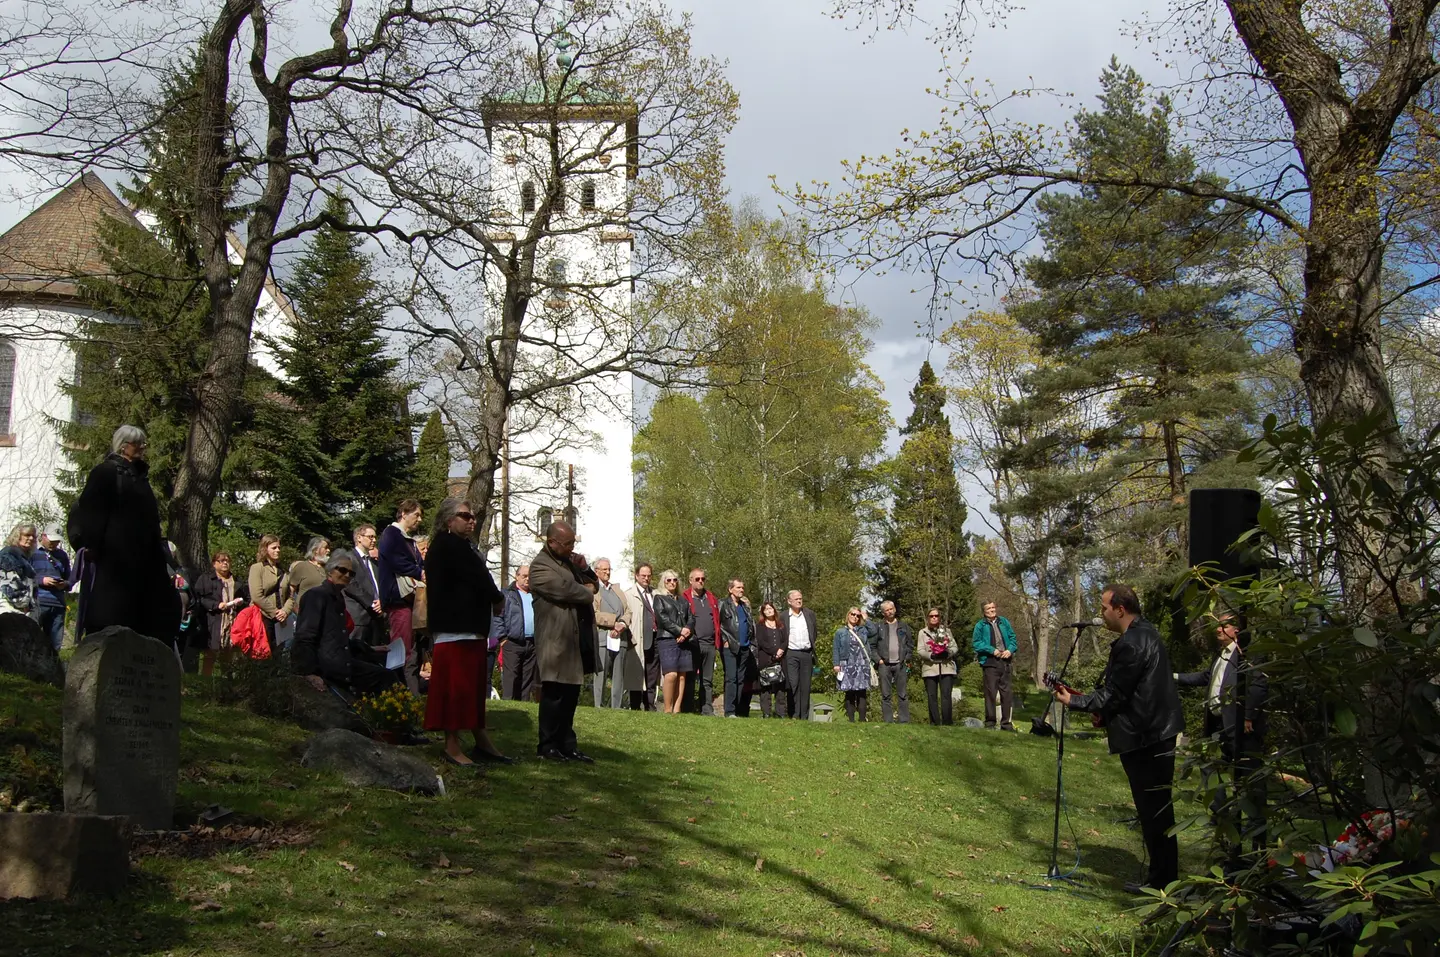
x=400, y=608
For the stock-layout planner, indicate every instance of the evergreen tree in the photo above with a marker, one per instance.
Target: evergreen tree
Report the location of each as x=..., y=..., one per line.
x=925, y=561
x=346, y=447
x=1135, y=308
x=432, y=464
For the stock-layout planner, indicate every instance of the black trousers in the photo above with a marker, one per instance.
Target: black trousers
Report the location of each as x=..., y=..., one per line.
x=1251, y=783
x=1151, y=772
x=799, y=668
x=942, y=711
x=521, y=671
x=893, y=679
x=704, y=685
x=855, y=701
x=739, y=677
x=997, y=673
x=557, y=717
x=490, y=657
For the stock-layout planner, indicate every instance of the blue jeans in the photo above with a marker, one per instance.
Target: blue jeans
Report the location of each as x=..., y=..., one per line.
x=52, y=623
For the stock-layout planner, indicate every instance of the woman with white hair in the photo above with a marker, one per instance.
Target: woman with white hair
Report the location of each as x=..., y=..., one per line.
x=17, y=572
x=116, y=520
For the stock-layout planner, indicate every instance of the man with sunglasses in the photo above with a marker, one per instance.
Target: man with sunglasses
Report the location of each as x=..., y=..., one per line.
x=707, y=640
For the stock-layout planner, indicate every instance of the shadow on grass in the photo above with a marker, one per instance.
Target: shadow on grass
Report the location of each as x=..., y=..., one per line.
x=603, y=859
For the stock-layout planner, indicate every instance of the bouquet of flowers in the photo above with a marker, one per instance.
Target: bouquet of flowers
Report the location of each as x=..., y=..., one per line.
x=938, y=643
x=1357, y=844
x=395, y=711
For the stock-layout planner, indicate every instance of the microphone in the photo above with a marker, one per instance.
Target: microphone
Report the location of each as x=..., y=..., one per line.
x=1092, y=623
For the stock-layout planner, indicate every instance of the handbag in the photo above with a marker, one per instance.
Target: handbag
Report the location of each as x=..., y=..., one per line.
x=405, y=585
x=771, y=677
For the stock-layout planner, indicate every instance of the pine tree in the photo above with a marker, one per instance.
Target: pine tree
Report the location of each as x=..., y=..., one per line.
x=346, y=448
x=432, y=464
x=925, y=561
x=1135, y=308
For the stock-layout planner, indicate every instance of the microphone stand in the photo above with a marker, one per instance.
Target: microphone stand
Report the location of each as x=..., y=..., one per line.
x=1053, y=873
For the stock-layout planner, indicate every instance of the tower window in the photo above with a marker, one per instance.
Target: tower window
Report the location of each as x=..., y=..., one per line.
x=527, y=197
x=587, y=195
x=555, y=275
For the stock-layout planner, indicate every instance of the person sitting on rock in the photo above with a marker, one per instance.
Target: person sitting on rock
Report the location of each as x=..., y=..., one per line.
x=322, y=636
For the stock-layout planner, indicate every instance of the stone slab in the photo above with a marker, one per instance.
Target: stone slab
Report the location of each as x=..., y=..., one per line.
x=55, y=856
x=26, y=650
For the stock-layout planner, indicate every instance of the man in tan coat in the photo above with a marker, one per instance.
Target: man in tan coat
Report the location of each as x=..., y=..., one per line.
x=564, y=639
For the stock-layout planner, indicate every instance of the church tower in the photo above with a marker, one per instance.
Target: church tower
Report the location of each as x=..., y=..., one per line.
x=575, y=147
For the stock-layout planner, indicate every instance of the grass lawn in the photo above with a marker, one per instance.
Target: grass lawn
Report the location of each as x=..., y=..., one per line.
x=688, y=836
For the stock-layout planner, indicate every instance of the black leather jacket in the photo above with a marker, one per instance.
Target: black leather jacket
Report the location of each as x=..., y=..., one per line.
x=1137, y=695
x=672, y=613
x=730, y=623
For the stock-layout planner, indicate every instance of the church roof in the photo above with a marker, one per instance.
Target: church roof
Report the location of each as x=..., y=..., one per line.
x=42, y=255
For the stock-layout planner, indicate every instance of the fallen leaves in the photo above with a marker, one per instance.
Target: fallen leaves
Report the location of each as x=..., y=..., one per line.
x=207, y=905
x=240, y=869
x=759, y=864
x=347, y=865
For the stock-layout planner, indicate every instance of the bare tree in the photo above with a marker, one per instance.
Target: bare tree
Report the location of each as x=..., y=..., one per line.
x=606, y=124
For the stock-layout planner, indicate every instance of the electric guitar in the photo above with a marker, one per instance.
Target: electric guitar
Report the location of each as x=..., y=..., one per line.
x=1053, y=682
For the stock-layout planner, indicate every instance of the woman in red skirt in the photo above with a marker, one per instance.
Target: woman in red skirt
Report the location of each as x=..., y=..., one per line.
x=462, y=598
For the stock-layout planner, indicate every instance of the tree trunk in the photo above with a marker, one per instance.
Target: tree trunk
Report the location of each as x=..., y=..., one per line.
x=495, y=403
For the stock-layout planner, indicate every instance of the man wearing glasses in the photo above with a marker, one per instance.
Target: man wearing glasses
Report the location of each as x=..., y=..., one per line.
x=362, y=594
x=322, y=642
x=706, y=638
x=799, y=657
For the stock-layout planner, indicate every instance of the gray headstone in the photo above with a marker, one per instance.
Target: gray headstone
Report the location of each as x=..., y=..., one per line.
x=55, y=856
x=122, y=728
x=26, y=650
x=974, y=723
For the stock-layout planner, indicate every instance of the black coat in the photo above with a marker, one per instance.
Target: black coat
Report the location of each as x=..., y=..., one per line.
x=117, y=521
x=768, y=641
x=672, y=613
x=322, y=641
x=903, y=633
x=730, y=623
x=1137, y=695
x=1257, y=687
x=461, y=591
x=208, y=591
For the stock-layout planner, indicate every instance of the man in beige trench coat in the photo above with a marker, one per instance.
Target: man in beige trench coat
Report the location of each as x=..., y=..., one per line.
x=564, y=639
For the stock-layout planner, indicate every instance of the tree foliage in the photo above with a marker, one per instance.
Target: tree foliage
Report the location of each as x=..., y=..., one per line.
x=925, y=561
x=343, y=428
x=768, y=474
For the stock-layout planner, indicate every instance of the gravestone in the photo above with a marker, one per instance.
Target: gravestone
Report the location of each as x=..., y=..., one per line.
x=122, y=728
x=26, y=650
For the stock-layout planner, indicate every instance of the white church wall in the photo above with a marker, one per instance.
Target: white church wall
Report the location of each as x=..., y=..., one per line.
x=43, y=366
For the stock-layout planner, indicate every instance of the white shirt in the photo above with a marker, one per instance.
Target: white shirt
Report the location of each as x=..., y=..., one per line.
x=799, y=632
x=1217, y=676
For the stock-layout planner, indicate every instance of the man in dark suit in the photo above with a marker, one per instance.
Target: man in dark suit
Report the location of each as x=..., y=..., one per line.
x=362, y=594
x=1140, y=704
x=1223, y=713
x=799, y=657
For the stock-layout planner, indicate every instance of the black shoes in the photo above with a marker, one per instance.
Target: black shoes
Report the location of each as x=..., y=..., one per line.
x=485, y=757
x=552, y=754
x=580, y=756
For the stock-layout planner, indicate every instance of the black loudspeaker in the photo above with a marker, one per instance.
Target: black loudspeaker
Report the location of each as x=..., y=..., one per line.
x=1218, y=517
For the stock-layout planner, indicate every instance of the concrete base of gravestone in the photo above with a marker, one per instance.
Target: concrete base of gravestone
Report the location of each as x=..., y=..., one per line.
x=26, y=650
x=320, y=709
x=122, y=728
x=55, y=856
x=365, y=763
